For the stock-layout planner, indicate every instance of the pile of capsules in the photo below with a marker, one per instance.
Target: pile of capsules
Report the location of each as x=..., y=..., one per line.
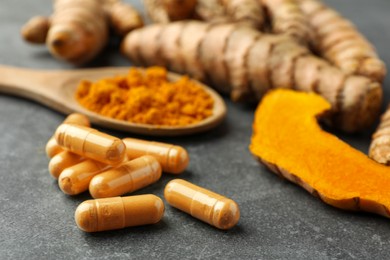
x=83, y=158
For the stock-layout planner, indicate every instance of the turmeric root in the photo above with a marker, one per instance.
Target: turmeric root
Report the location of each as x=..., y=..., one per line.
x=78, y=29
x=247, y=63
x=245, y=12
x=156, y=11
x=322, y=164
x=287, y=18
x=35, y=30
x=124, y=18
x=179, y=9
x=337, y=40
x=380, y=145
x=331, y=36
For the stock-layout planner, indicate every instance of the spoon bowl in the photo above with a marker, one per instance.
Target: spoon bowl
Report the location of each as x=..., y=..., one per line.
x=56, y=89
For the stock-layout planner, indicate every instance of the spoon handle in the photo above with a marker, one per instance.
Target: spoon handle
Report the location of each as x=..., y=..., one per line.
x=26, y=82
x=39, y=85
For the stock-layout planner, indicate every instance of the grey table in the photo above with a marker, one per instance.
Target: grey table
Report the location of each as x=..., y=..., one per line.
x=279, y=220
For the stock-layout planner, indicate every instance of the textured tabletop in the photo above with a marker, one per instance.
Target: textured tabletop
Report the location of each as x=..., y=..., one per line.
x=279, y=220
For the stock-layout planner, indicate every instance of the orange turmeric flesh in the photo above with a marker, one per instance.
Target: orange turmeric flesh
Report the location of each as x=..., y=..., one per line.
x=288, y=140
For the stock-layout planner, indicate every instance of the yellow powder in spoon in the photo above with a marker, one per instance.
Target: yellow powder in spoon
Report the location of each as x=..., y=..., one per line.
x=147, y=97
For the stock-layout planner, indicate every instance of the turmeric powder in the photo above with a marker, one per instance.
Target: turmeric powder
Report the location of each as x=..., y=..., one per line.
x=147, y=97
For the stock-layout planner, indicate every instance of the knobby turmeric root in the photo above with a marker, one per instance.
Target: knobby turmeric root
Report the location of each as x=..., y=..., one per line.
x=329, y=34
x=163, y=11
x=157, y=12
x=123, y=17
x=245, y=12
x=303, y=153
x=35, y=30
x=380, y=145
x=78, y=29
x=246, y=63
x=287, y=18
x=337, y=40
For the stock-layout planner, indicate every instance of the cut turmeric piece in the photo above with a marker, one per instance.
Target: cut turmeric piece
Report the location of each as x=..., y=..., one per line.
x=289, y=141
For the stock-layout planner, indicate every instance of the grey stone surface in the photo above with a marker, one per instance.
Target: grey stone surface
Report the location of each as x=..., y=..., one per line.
x=279, y=220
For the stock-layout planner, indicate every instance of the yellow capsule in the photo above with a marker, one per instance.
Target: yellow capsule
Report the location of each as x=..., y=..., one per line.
x=202, y=204
x=119, y=212
x=173, y=159
x=75, y=179
x=126, y=178
x=61, y=161
x=90, y=143
x=52, y=148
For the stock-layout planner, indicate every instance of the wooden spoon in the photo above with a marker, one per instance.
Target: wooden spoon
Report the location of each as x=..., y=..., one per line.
x=56, y=90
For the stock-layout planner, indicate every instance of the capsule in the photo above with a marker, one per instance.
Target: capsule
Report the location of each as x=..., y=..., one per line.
x=173, y=159
x=62, y=161
x=52, y=148
x=130, y=176
x=119, y=212
x=202, y=204
x=90, y=143
x=75, y=179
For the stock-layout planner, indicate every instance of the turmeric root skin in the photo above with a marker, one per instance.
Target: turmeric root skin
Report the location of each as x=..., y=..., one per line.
x=287, y=18
x=35, y=30
x=235, y=66
x=337, y=40
x=156, y=11
x=179, y=9
x=124, y=18
x=380, y=145
x=309, y=22
x=244, y=12
x=322, y=164
x=78, y=29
